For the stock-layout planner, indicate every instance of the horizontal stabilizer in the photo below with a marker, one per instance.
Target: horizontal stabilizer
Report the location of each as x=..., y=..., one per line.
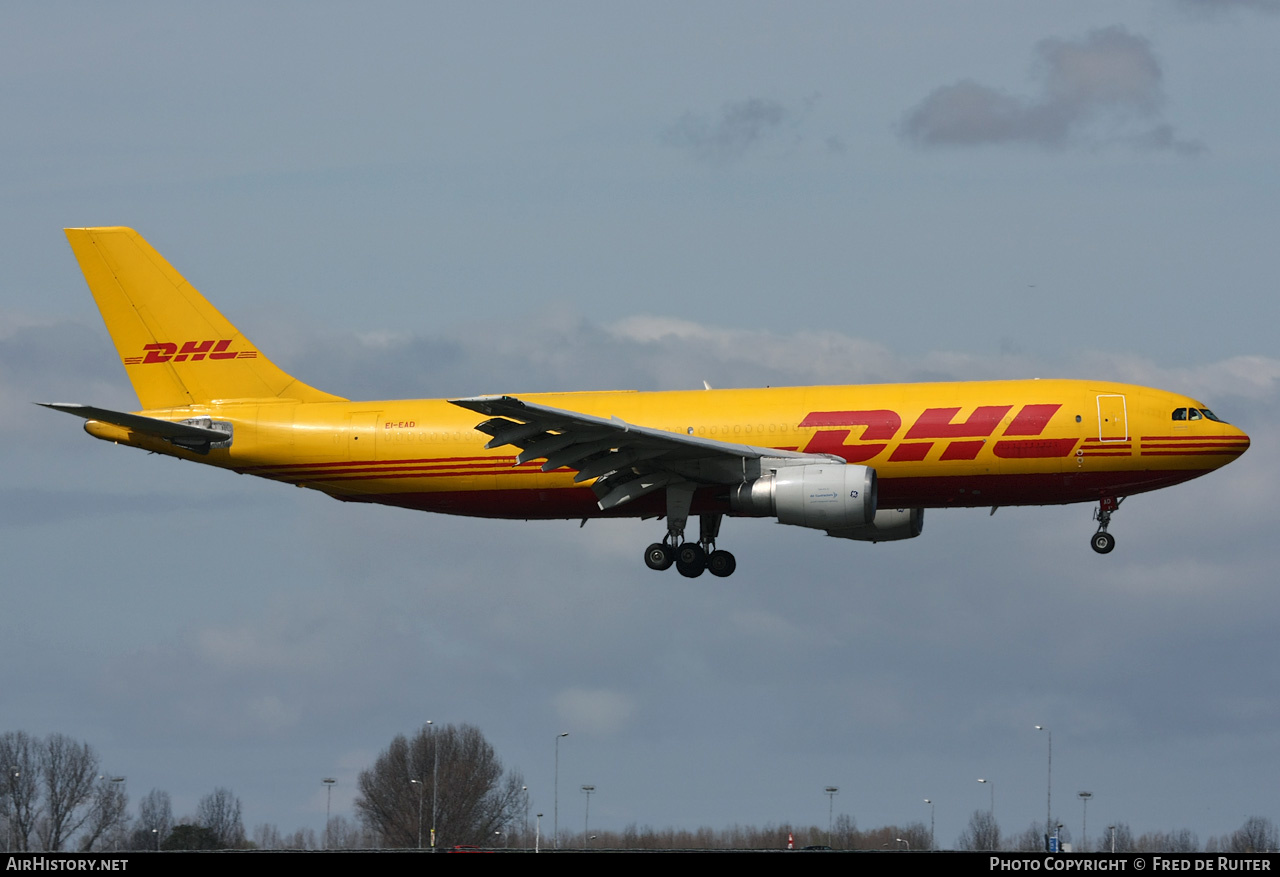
x=183, y=434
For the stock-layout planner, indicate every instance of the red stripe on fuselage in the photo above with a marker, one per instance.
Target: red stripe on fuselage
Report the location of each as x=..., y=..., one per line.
x=280, y=466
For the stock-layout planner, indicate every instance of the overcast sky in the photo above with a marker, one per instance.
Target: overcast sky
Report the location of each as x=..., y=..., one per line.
x=442, y=200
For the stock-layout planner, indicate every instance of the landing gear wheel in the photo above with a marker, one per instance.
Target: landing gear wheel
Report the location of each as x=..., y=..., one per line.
x=690, y=572
x=659, y=557
x=691, y=560
x=721, y=563
x=691, y=554
x=1103, y=542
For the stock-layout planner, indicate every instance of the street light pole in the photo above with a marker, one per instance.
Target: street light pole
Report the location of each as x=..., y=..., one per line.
x=586, y=820
x=1048, y=807
x=556, y=816
x=116, y=808
x=328, y=804
x=831, y=792
x=421, y=789
x=993, y=796
x=1084, y=822
x=435, y=782
x=932, y=844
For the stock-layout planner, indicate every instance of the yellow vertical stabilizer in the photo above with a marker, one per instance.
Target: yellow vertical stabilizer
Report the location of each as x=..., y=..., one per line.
x=176, y=347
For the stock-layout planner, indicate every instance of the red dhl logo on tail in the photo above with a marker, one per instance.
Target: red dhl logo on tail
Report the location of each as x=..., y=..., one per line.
x=881, y=426
x=164, y=351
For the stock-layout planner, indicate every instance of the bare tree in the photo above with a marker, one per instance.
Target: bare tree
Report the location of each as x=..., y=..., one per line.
x=155, y=821
x=983, y=832
x=1182, y=840
x=1034, y=839
x=302, y=839
x=266, y=836
x=916, y=834
x=68, y=770
x=1119, y=838
x=474, y=798
x=220, y=813
x=20, y=761
x=346, y=834
x=1031, y=840
x=844, y=833
x=106, y=814
x=1257, y=835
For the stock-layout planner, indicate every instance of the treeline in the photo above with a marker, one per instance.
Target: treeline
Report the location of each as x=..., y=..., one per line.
x=54, y=796
x=844, y=835
x=1257, y=834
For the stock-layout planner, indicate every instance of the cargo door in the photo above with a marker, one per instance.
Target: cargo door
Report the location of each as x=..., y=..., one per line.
x=1113, y=418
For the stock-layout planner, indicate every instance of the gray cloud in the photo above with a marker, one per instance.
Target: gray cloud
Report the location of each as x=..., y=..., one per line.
x=652, y=352
x=1109, y=81
x=740, y=126
x=1213, y=6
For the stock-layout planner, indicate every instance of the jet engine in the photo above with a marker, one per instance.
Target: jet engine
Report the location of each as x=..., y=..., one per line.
x=823, y=496
x=889, y=525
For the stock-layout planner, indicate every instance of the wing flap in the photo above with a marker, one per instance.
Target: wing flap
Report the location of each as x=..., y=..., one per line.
x=633, y=489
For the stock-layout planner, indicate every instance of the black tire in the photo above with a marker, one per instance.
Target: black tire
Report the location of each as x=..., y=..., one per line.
x=1103, y=542
x=690, y=570
x=721, y=563
x=659, y=557
x=691, y=554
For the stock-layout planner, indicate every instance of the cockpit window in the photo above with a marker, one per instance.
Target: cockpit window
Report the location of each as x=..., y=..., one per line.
x=1196, y=414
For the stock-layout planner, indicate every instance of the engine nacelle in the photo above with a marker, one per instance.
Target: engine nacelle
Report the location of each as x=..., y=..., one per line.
x=889, y=525
x=824, y=496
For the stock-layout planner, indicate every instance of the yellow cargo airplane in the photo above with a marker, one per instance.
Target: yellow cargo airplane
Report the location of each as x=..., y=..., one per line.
x=858, y=462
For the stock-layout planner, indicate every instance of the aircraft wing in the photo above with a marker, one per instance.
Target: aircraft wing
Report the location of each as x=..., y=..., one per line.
x=184, y=434
x=627, y=461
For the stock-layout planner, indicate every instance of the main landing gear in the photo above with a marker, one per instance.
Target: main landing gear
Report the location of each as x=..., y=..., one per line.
x=690, y=558
x=1102, y=541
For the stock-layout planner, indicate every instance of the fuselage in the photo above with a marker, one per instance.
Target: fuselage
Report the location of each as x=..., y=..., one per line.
x=934, y=445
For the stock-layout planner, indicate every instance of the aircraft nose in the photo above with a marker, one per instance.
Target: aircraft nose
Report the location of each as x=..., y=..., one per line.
x=1238, y=440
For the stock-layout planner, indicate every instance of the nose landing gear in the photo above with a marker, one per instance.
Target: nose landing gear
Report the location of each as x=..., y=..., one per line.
x=1102, y=541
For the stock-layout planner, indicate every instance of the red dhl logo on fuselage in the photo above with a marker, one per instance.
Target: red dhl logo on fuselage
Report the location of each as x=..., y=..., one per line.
x=165, y=351
x=881, y=426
